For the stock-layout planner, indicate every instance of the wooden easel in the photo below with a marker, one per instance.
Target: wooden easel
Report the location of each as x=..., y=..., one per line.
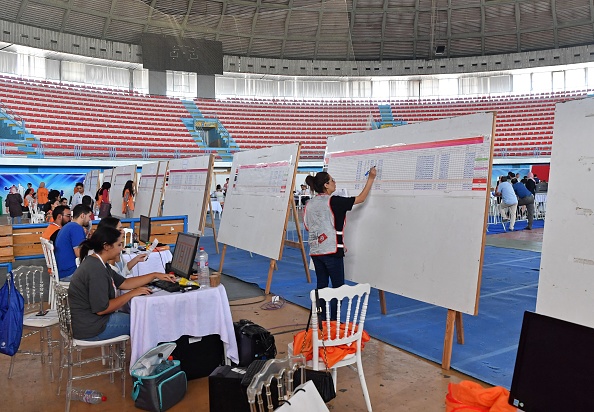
x=291, y=209
x=206, y=201
x=453, y=322
x=155, y=187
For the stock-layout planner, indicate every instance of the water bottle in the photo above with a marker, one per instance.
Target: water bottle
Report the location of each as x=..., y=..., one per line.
x=203, y=272
x=163, y=364
x=87, y=395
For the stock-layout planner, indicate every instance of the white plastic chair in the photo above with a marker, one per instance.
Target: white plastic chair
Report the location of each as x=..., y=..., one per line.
x=128, y=234
x=29, y=281
x=115, y=355
x=36, y=215
x=351, y=313
x=495, y=214
x=52, y=268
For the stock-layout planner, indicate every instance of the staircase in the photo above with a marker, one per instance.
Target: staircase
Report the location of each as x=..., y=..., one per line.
x=14, y=137
x=227, y=144
x=387, y=118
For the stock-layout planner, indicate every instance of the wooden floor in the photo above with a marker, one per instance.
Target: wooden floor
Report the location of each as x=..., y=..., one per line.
x=397, y=381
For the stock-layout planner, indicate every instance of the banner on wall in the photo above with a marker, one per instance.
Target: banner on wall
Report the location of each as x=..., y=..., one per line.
x=64, y=182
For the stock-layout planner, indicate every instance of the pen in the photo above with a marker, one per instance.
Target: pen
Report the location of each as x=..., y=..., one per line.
x=367, y=172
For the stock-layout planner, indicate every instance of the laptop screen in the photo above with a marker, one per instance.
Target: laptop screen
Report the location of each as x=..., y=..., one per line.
x=554, y=365
x=184, y=254
x=144, y=233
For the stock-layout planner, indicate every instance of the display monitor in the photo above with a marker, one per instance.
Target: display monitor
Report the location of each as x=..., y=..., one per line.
x=144, y=233
x=184, y=254
x=554, y=366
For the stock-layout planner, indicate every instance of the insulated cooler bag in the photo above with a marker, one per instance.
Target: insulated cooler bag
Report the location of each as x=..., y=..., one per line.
x=161, y=391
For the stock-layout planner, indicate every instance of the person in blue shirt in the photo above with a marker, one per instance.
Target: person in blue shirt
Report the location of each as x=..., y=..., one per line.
x=525, y=198
x=69, y=239
x=509, y=200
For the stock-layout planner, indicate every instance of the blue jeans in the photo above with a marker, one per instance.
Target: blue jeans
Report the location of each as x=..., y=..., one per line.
x=118, y=324
x=329, y=268
x=17, y=220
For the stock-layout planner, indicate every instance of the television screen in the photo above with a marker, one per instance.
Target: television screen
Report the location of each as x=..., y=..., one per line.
x=144, y=233
x=184, y=254
x=161, y=53
x=554, y=365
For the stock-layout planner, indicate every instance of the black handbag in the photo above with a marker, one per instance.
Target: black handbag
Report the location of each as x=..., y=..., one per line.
x=321, y=379
x=253, y=342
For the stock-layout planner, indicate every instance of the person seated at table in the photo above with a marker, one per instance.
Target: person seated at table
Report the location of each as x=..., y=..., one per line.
x=303, y=194
x=91, y=294
x=68, y=240
x=88, y=201
x=119, y=265
x=49, y=214
x=61, y=215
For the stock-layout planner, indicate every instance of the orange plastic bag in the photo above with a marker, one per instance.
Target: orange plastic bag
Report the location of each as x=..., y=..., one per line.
x=334, y=353
x=468, y=396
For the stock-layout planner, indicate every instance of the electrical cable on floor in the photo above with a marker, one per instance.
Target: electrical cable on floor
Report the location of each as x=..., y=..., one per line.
x=277, y=302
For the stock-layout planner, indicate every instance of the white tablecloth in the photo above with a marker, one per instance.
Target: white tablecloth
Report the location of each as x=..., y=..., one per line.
x=165, y=317
x=540, y=197
x=216, y=206
x=155, y=262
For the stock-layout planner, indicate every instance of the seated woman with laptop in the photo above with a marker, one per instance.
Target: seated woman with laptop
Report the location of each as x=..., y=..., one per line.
x=92, y=291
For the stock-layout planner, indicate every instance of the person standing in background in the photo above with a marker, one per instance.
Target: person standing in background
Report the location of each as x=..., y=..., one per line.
x=324, y=219
x=102, y=198
x=29, y=201
x=42, y=194
x=525, y=198
x=226, y=186
x=128, y=199
x=79, y=191
x=509, y=201
x=530, y=183
x=14, y=205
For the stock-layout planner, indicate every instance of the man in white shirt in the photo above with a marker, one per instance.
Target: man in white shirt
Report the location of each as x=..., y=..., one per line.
x=509, y=200
x=79, y=192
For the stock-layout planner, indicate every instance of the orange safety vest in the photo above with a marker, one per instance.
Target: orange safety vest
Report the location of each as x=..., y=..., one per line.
x=130, y=202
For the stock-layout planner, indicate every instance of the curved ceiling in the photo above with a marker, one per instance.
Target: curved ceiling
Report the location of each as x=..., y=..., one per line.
x=326, y=29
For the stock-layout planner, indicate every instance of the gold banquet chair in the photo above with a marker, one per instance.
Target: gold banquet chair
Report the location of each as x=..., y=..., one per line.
x=115, y=355
x=282, y=372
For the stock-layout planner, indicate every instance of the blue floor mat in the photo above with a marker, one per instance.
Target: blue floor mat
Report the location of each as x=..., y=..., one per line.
x=509, y=286
x=496, y=228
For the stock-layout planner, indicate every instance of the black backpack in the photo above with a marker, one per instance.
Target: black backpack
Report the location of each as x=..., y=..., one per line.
x=253, y=342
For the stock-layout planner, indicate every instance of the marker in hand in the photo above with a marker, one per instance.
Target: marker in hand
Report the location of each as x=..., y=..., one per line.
x=367, y=173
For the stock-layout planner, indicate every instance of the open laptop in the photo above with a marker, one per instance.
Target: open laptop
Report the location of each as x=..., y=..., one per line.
x=182, y=263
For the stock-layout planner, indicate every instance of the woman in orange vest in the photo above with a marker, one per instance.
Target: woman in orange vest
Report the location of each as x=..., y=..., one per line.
x=128, y=199
x=42, y=194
